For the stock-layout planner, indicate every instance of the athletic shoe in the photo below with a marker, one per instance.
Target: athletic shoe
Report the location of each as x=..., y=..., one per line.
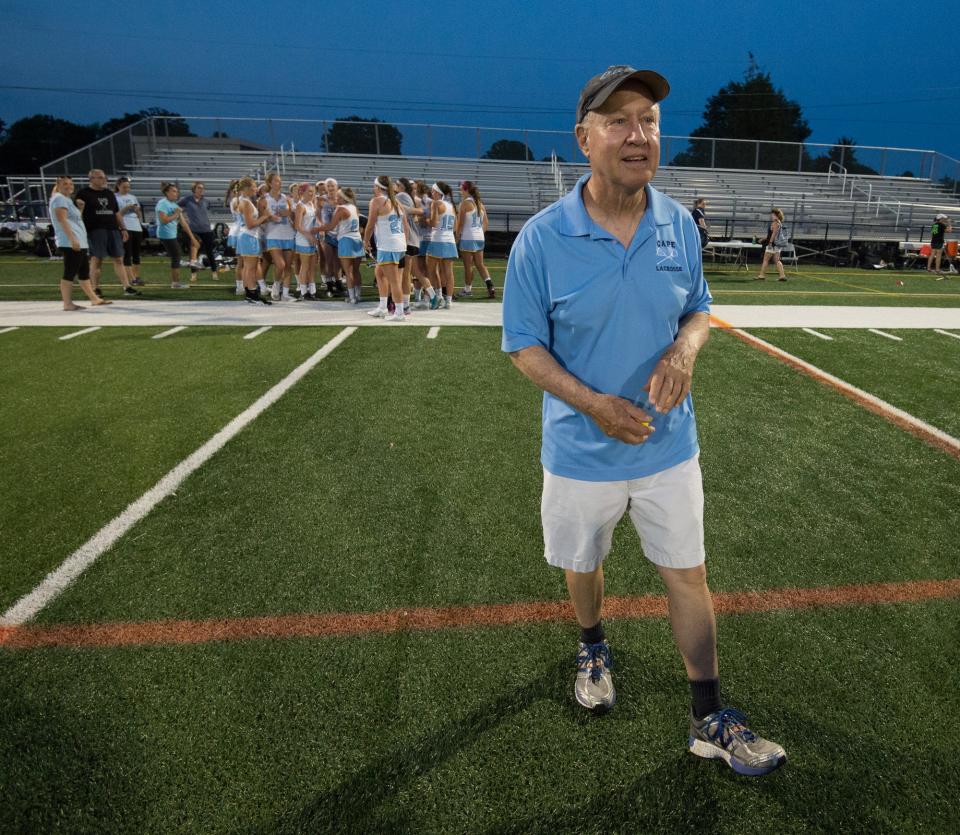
x=138, y=282
x=594, y=685
x=940, y=277
x=421, y=305
x=176, y=285
x=239, y=291
x=464, y=293
x=275, y=292
x=397, y=316
x=377, y=313
x=436, y=301
x=131, y=291
x=725, y=735
x=781, y=279
x=446, y=304
x=307, y=297
x=491, y=292
x=287, y=298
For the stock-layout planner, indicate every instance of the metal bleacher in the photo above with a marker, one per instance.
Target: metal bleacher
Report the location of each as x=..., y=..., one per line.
x=818, y=206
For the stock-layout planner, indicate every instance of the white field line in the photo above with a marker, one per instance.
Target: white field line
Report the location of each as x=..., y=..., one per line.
x=170, y=332
x=935, y=330
x=887, y=410
x=887, y=335
x=812, y=332
x=65, y=337
x=16, y=327
x=61, y=578
x=257, y=332
x=432, y=333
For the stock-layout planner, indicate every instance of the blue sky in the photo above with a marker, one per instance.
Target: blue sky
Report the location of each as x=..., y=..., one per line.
x=877, y=72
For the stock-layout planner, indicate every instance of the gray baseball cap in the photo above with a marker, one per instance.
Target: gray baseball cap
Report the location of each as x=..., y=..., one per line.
x=599, y=88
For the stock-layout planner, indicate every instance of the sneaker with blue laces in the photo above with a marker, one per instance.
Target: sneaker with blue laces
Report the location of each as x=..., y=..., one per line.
x=724, y=734
x=436, y=301
x=594, y=685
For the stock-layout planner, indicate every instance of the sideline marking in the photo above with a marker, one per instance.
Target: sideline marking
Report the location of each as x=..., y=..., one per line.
x=170, y=332
x=17, y=327
x=257, y=332
x=60, y=579
x=935, y=330
x=887, y=335
x=65, y=337
x=930, y=434
x=817, y=333
x=333, y=624
x=432, y=333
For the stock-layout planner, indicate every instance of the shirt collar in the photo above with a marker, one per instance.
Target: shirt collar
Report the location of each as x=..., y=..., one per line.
x=576, y=222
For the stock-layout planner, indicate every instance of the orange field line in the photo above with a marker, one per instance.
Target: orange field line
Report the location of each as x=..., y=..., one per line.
x=919, y=429
x=340, y=624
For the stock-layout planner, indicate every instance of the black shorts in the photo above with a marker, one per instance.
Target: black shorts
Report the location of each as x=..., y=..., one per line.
x=76, y=264
x=105, y=243
x=936, y=243
x=172, y=246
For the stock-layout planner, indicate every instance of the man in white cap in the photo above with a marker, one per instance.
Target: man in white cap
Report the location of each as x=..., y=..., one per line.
x=940, y=226
x=606, y=308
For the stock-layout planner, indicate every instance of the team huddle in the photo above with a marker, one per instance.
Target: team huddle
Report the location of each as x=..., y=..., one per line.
x=313, y=233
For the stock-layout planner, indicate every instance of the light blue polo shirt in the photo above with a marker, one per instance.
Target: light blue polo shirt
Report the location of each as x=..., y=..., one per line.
x=607, y=315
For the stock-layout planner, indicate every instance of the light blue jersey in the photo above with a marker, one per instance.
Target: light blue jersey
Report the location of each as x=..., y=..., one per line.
x=606, y=314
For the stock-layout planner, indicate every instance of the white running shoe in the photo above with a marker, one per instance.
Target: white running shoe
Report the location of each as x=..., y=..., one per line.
x=378, y=313
x=397, y=316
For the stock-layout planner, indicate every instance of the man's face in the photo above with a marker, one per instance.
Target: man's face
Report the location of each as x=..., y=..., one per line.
x=98, y=180
x=198, y=192
x=622, y=138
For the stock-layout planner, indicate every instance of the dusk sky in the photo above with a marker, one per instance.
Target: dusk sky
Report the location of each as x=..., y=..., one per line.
x=877, y=72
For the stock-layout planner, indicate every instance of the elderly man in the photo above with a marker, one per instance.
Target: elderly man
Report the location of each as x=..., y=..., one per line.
x=606, y=308
x=106, y=231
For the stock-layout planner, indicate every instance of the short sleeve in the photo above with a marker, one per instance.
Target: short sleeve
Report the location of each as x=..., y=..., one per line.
x=525, y=300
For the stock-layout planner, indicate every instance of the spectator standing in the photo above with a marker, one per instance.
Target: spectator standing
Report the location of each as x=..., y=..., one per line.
x=775, y=240
x=169, y=215
x=197, y=226
x=700, y=217
x=105, y=230
x=132, y=215
x=940, y=226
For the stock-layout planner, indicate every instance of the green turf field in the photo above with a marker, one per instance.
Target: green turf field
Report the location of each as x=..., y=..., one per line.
x=23, y=278
x=402, y=472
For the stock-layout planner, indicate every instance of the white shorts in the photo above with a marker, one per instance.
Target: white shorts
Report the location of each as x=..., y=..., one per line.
x=666, y=509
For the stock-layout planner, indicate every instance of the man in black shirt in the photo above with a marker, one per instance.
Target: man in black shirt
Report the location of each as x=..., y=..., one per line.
x=105, y=230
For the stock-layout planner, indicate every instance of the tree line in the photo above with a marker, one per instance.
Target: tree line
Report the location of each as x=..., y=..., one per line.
x=752, y=108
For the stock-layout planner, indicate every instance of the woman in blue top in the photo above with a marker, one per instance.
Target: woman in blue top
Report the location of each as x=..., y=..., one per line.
x=71, y=237
x=168, y=218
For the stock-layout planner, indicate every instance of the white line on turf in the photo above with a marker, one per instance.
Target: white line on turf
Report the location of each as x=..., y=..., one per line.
x=170, y=332
x=887, y=335
x=257, y=332
x=432, y=333
x=61, y=578
x=812, y=332
x=947, y=333
x=65, y=337
x=875, y=404
x=7, y=330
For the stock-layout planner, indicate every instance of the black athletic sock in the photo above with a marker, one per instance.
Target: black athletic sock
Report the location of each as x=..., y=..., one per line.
x=705, y=695
x=488, y=282
x=593, y=634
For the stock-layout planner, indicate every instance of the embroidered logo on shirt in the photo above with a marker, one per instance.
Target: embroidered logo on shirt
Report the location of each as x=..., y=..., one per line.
x=667, y=253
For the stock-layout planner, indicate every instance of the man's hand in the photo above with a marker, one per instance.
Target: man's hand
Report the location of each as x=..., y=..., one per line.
x=669, y=384
x=620, y=419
